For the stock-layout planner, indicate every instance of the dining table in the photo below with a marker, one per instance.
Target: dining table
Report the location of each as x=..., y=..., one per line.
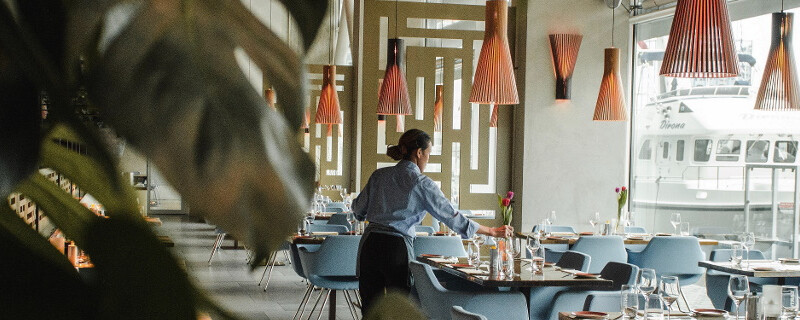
x=571, y=239
x=756, y=269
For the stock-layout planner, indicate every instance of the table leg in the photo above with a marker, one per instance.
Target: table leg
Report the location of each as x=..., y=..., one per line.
x=332, y=306
x=781, y=281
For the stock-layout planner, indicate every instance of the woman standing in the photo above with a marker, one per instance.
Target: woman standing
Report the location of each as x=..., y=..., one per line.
x=394, y=201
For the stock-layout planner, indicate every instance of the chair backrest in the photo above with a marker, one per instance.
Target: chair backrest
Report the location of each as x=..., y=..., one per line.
x=710, y=230
x=620, y=273
x=427, y=229
x=336, y=256
x=553, y=228
x=635, y=229
x=333, y=206
x=446, y=246
x=671, y=255
x=429, y=290
x=574, y=260
x=458, y=313
x=726, y=254
x=339, y=219
x=294, y=257
x=602, y=249
x=327, y=228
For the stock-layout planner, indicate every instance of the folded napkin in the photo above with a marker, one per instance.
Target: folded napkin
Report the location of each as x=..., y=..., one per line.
x=444, y=260
x=422, y=234
x=473, y=271
x=562, y=234
x=324, y=233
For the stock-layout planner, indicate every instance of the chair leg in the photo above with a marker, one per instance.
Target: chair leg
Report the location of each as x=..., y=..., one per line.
x=267, y=267
x=217, y=244
x=304, y=301
x=286, y=255
x=271, y=267
x=319, y=297
x=350, y=305
x=322, y=308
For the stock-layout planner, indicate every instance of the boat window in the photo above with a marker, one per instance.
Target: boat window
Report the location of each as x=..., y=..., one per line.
x=646, y=151
x=729, y=150
x=665, y=150
x=785, y=151
x=757, y=151
x=679, y=151
x=702, y=150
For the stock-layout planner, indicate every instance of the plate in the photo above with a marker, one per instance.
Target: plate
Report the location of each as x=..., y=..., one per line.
x=426, y=255
x=763, y=269
x=462, y=265
x=789, y=261
x=587, y=233
x=554, y=238
x=303, y=237
x=549, y=264
x=635, y=238
x=663, y=234
x=587, y=275
x=589, y=315
x=710, y=312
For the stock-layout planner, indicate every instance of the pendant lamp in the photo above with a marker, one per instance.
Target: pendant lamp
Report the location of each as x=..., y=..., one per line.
x=564, y=48
x=611, y=100
x=493, y=119
x=328, y=107
x=494, y=81
x=438, y=107
x=393, y=96
x=700, y=42
x=269, y=95
x=306, y=121
x=778, y=91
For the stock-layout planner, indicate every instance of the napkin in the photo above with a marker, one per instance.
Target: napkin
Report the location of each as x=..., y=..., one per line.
x=422, y=234
x=324, y=233
x=444, y=260
x=473, y=271
x=562, y=234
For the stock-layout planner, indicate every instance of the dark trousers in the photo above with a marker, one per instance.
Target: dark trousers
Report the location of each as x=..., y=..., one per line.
x=383, y=267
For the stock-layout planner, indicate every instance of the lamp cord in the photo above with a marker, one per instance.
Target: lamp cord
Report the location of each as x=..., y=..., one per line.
x=613, y=22
x=395, y=18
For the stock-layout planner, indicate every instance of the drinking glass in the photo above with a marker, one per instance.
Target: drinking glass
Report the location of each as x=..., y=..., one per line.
x=736, y=254
x=351, y=218
x=749, y=242
x=551, y=219
x=685, y=229
x=516, y=247
x=647, y=281
x=474, y=253
x=537, y=261
x=654, y=307
x=675, y=220
x=508, y=264
x=670, y=291
x=533, y=244
x=788, y=302
x=309, y=219
x=594, y=219
x=544, y=227
x=343, y=193
x=629, y=302
x=738, y=288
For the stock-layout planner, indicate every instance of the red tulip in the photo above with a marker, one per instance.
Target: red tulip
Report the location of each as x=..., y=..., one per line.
x=510, y=195
x=506, y=202
x=623, y=188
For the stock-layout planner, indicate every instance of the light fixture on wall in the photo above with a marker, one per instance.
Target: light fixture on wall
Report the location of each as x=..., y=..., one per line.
x=328, y=106
x=494, y=81
x=779, y=88
x=269, y=96
x=393, y=94
x=564, y=48
x=611, y=100
x=438, y=107
x=700, y=42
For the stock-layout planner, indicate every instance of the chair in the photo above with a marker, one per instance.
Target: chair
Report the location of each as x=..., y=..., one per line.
x=602, y=249
x=553, y=228
x=458, y=313
x=332, y=267
x=446, y=246
x=574, y=260
x=607, y=300
x=427, y=229
x=671, y=255
x=336, y=207
x=327, y=228
x=297, y=266
x=635, y=229
x=540, y=297
x=340, y=219
x=717, y=281
x=436, y=301
x=218, y=243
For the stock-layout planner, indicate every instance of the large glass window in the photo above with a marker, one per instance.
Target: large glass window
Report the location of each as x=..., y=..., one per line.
x=722, y=150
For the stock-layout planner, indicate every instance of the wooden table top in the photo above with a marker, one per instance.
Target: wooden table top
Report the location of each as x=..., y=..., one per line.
x=551, y=277
x=771, y=269
x=572, y=240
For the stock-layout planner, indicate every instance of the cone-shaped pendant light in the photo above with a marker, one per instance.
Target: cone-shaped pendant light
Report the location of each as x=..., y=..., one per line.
x=393, y=96
x=438, y=107
x=611, y=100
x=494, y=81
x=269, y=95
x=700, y=42
x=565, y=53
x=779, y=88
x=306, y=121
x=328, y=107
x=493, y=118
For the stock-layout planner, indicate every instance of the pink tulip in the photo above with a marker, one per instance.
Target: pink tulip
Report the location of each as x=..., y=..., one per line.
x=506, y=202
x=616, y=190
x=510, y=195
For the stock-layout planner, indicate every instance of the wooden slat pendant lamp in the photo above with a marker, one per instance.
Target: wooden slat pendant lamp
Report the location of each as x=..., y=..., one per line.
x=779, y=88
x=306, y=121
x=393, y=95
x=564, y=48
x=438, y=107
x=494, y=81
x=269, y=95
x=328, y=107
x=700, y=41
x=611, y=99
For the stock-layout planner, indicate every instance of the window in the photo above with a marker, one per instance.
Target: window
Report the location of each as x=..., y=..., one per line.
x=646, y=151
x=665, y=150
x=785, y=151
x=702, y=150
x=679, y=151
x=757, y=151
x=729, y=150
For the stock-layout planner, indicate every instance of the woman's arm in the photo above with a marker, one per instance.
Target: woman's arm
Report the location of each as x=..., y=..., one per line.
x=499, y=232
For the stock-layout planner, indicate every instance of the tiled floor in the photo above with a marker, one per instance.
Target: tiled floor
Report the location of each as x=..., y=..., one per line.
x=230, y=282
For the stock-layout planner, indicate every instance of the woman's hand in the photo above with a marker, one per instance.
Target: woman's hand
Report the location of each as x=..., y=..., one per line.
x=499, y=232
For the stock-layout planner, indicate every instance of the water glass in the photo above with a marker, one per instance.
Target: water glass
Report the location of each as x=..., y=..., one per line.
x=351, y=218
x=629, y=302
x=647, y=281
x=551, y=219
x=533, y=243
x=685, y=229
x=537, y=261
x=788, y=302
x=508, y=265
x=654, y=307
x=736, y=254
x=473, y=253
x=675, y=220
x=738, y=288
x=594, y=219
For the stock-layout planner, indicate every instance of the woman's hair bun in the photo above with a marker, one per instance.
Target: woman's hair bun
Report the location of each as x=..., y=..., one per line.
x=394, y=152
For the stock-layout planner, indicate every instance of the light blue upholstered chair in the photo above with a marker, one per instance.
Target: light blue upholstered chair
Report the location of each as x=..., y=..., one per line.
x=555, y=228
x=446, y=246
x=327, y=228
x=607, y=300
x=717, y=281
x=557, y=246
x=602, y=249
x=427, y=229
x=339, y=219
x=541, y=297
x=297, y=266
x=635, y=229
x=673, y=256
x=458, y=313
x=332, y=267
x=336, y=207
x=436, y=301
x=574, y=260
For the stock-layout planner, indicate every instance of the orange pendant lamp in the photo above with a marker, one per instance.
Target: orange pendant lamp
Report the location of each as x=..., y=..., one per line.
x=438, y=107
x=393, y=95
x=779, y=89
x=328, y=107
x=700, y=42
x=306, y=121
x=269, y=95
x=564, y=48
x=494, y=81
x=493, y=118
x=611, y=100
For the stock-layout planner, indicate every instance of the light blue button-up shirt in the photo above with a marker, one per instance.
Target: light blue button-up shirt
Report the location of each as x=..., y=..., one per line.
x=400, y=196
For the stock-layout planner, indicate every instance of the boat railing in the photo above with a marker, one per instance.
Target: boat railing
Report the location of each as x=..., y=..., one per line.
x=731, y=90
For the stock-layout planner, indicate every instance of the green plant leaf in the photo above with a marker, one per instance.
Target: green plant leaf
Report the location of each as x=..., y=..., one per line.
x=170, y=85
x=394, y=306
x=309, y=14
x=45, y=285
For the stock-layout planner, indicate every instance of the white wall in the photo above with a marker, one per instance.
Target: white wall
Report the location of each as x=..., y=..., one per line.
x=569, y=163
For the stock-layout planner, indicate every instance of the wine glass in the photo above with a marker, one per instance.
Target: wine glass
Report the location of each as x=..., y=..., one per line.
x=343, y=193
x=551, y=219
x=533, y=244
x=748, y=241
x=594, y=219
x=675, y=220
x=309, y=219
x=736, y=254
x=738, y=288
x=647, y=281
x=351, y=218
x=788, y=302
x=629, y=302
x=474, y=253
x=653, y=307
x=670, y=291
